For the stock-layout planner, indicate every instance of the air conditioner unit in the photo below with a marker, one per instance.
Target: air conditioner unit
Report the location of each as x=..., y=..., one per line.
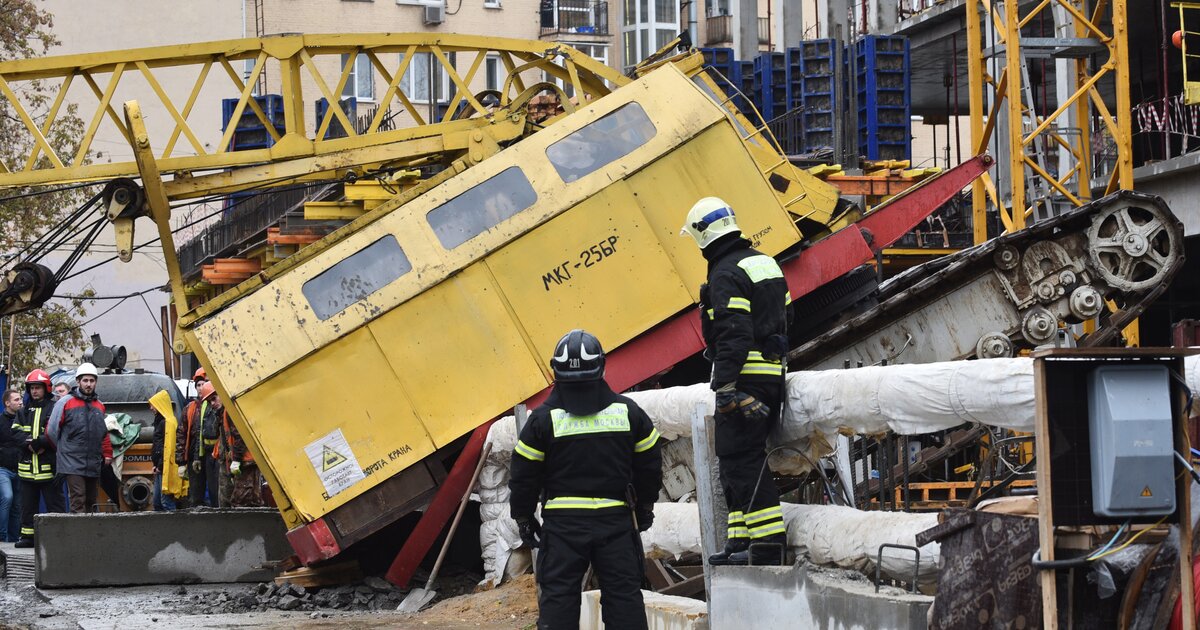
x=435, y=15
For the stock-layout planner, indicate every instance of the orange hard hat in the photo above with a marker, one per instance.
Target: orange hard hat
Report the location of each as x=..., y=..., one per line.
x=1177, y=39
x=200, y=374
x=206, y=390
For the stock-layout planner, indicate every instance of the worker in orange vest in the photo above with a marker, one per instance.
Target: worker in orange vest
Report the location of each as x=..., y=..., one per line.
x=194, y=446
x=241, y=481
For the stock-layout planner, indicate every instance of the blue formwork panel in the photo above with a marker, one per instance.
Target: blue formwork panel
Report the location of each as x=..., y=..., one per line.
x=748, y=84
x=722, y=61
x=336, y=130
x=795, y=76
x=818, y=91
x=883, y=84
x=271, y=104
x=770, y=71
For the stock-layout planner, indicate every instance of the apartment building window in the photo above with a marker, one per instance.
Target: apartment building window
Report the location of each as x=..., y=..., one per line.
x=361, y=82
x=647, y=26
x=491, y=72
x=416, y=81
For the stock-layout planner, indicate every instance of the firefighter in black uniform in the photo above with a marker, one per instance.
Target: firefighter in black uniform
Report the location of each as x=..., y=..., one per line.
x=592, y=458
x=36, y=467
x=744, y=321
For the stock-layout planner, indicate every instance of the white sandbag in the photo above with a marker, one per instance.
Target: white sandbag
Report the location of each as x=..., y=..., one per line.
x=676, y=531
x=850, y=539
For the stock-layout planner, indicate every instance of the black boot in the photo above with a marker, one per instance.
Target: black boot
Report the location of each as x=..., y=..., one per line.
x=23, y=543
x=732, y=547
x=768, y=551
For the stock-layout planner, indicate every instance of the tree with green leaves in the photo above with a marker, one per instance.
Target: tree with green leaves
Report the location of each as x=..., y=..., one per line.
x=52, y=333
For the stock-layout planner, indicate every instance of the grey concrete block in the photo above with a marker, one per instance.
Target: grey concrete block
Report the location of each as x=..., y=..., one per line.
x=811, y=597
x=203, y=546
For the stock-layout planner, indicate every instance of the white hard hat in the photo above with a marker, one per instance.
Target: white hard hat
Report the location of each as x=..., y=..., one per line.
x=708, y=220
x=86, y=369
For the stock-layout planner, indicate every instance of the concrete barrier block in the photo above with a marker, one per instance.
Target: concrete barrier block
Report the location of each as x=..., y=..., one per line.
x=663, y=612
x=202, y=546
x=811, y=597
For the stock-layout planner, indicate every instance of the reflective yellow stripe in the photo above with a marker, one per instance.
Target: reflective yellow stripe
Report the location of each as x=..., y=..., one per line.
x=26, y=531
x=648, y=443
x=770, y=529
x=709, y=312
x=787, y=298
x=760, y=268
x=762, y=369
x=612, y=419
x=735, y=517
x=530, y=453
x=581, y=503
x=739, y=303
x=764, y=514
x=738, y=532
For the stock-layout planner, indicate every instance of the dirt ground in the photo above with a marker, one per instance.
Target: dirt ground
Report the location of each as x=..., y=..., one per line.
x=512, y=605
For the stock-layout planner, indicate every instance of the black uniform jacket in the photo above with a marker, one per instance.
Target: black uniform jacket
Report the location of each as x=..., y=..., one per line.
x=744, y=315
x=583, y=463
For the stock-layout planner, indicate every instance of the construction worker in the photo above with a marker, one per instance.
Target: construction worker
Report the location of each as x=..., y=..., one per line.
x=61, y=390
x=592, y=456
x=36, y=469
x=744, y=319
x=12, y=443
x=240, y=479
x=198, y=379
x=78, y=432
x=194, y=446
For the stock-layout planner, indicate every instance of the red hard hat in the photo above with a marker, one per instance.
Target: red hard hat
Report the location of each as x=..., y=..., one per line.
x=206, y=390
x=200, y=374
x=38, y=376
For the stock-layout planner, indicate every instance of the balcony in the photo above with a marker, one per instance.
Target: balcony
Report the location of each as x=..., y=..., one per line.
x=718, y=29
x=588, y=18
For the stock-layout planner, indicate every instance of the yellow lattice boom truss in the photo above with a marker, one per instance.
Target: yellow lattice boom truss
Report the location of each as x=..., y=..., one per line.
x=301, y=150
x=1026, y=126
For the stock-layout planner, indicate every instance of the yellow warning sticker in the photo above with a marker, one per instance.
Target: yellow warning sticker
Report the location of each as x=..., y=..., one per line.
x=334, y=462
x=1146, y=492
x=330, y=458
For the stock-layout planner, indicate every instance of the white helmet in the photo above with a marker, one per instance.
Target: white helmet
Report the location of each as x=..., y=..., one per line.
x=708, y=220
x=86, y=369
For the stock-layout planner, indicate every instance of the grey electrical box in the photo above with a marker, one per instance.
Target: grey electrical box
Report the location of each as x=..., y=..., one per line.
x=1133, y=461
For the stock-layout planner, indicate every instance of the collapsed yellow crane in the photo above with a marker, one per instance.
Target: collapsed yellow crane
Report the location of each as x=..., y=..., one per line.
x=441, y=304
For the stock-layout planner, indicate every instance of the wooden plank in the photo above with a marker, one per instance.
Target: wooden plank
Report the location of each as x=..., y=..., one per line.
x=657, y=575
x=306, y=577
x=1045, y=509
x=687, y=588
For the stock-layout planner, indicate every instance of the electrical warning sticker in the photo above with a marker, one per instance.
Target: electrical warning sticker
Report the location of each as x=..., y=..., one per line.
x=334, y=462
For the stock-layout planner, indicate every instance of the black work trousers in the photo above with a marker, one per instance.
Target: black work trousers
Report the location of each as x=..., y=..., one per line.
x=203, y=486
x=741, y=447
x=613, y=547
x=51, y=491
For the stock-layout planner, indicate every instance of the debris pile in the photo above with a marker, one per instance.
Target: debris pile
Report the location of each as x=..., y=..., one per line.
x=372, y=594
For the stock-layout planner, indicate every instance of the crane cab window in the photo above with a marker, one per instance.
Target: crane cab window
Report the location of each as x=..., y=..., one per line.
x=481, y=207
x=599, y=143
x=363, y=273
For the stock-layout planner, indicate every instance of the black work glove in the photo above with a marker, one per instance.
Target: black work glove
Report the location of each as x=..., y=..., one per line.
x=645, y=517
x=531, y=532
x=40, y=442
x=735, y=402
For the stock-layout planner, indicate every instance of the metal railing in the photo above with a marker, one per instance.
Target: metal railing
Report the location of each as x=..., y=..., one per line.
x=574, y=17
x=1164, y=128
x=248, y=217
x=718, y=29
